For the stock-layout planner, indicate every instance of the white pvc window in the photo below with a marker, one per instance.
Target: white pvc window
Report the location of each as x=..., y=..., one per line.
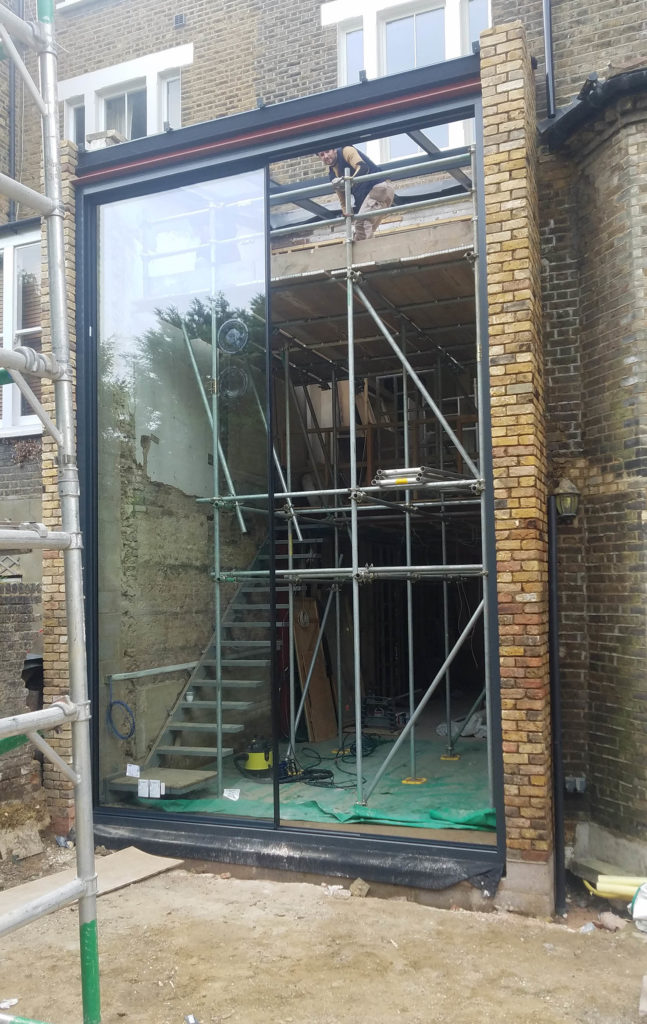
x=126, y=113
x=414, y=40
x=135, y=98
x=172, y=102
x=351, y=55
x=20, y=284
x=387, y=37
x=401, y=34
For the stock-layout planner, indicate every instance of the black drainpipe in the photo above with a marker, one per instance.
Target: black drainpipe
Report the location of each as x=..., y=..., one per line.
x=548, y=58
x=556, y=711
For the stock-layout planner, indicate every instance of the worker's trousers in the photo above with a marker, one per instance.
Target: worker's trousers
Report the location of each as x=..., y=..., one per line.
x=379, y=198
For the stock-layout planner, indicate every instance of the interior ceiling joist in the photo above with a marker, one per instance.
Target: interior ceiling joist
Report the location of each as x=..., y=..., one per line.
x=432, y=297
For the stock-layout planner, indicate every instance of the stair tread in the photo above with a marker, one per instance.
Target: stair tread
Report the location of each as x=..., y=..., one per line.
x=202, y=727
x=235, y=662
x=178, y=781
x=246, y=643
x=194, y=751
x=244, y=683
x=227, y=705
x=245, y=624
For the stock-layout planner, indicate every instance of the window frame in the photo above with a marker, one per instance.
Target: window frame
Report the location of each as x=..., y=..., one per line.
x=125, y=90
x=12, y=421
x=151, y=71
x=344, y=31
x=175, y=75
x=373, y=15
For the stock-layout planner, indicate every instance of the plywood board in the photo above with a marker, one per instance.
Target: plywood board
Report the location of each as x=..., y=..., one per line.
x=113, y=872
x=319, y=708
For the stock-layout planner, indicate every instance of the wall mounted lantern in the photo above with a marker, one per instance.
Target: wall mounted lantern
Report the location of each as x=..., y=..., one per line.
x=567, y=499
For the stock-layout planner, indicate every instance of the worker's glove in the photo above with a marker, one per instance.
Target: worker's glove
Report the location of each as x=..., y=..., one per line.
x=337, y=183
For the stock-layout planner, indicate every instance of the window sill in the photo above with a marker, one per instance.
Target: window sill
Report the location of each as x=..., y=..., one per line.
x=24, y=430
x=62, y=4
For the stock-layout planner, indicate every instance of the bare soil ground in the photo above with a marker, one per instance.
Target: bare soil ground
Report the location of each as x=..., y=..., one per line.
x=266, y=952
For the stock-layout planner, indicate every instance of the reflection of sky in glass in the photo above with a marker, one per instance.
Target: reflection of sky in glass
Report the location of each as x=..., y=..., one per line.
x=170, y=248
x=354, y=41
x=479, y=18
x=162, y=258
x=415, y=41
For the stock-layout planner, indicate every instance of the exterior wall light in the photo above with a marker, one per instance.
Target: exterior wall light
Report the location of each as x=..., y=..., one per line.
x=567, y=499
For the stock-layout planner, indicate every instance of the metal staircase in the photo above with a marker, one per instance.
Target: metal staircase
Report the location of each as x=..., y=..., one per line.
x=213, y=706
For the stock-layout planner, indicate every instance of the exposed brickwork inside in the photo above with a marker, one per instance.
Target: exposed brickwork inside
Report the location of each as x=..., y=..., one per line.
x=55, y=631
x=516, y=366
x=19, y=772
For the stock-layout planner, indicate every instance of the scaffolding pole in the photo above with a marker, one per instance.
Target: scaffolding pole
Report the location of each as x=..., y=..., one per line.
x=57, y=367
x=453, y=492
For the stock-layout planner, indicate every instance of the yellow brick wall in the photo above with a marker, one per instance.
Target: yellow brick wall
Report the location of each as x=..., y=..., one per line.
x=55, y=652
x=518, y=443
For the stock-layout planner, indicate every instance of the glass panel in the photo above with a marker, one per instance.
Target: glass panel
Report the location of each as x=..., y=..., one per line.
x=115, y=114
x=27, y=286
x=479, y=18
x=400, y=45
x=354, y=56
x=173, y=102
x=184, y=634
x=337, y=772
x=78, y=116
x=137, y=114
x=430, y=37
x=401, y=146
x=28, y=270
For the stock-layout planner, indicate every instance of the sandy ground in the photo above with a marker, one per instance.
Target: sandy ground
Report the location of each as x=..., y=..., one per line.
x=266, y=952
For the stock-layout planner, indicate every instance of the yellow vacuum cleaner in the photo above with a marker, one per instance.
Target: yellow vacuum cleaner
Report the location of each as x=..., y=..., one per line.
x=259, y=756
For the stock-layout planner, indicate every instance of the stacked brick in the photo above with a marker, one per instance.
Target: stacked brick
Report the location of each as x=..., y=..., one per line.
x=518, y=445
x=55, y=632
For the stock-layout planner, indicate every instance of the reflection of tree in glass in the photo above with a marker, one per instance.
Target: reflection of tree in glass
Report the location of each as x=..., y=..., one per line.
x=161, y=353
x=115, y=393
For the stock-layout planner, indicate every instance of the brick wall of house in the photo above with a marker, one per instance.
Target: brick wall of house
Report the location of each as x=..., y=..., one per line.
x=55, y=627
x=586, y=37
x=518, y=445
x=593, y=308
x=19, y=771
x=608, y=157
x=270, y=50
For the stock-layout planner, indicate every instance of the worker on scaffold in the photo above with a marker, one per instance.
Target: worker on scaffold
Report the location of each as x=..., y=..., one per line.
x=366, y=195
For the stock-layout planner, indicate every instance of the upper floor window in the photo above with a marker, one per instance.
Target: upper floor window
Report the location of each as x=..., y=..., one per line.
x=20, y=280
x=126, y=113
x=386, y=37
x=137, y=98
x=414, y=40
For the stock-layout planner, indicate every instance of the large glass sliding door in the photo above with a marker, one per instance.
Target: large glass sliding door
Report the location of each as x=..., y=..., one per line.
x=183, y=569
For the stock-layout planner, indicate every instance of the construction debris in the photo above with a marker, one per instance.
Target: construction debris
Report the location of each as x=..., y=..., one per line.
x=359, y=887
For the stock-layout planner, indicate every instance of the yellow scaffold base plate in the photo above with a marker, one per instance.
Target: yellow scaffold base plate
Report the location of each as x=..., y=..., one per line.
x=450, y=757
x=414, y=782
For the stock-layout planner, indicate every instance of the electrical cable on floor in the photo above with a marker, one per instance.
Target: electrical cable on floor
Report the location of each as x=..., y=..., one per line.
x=291, y=770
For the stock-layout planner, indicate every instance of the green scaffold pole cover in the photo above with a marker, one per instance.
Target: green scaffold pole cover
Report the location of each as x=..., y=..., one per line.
x=46, y=11
x=90, y=973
